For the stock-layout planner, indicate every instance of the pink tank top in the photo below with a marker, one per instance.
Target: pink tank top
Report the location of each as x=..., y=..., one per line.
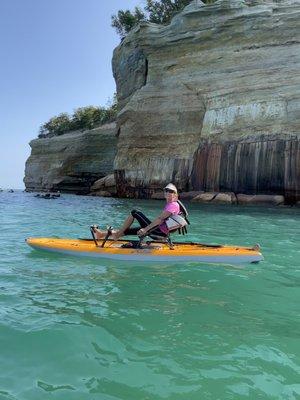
x=172, y=208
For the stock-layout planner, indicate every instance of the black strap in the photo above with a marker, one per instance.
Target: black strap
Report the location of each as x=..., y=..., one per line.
x=93, y=235
x=183, y=211
x=109, y=232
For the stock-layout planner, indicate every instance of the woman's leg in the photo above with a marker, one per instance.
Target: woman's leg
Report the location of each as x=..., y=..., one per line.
x=141, y=218
x=143, y=221
x=126, y=227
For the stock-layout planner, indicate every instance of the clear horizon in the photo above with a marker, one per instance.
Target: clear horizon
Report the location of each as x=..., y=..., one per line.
x=56, y=57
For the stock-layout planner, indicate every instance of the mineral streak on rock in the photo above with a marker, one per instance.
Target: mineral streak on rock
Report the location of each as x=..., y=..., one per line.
x=212, y=101
x=71, y=162
x=265, y=166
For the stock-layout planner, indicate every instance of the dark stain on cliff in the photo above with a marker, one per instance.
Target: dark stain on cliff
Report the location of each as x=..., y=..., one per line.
x=133, y=66
x=266, y=167
x=146, y=71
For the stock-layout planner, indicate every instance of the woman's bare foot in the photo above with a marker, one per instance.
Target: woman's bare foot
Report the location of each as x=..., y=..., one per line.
x=115, y=234
x=99, y=234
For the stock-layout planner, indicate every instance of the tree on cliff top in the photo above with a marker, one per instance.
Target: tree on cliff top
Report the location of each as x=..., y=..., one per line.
x=58, y=125
x=83, y=118
x=159, y=12
x=124, y=21
x=90, y=117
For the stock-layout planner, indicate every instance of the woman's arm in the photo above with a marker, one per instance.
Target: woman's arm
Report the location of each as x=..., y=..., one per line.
x=159, y=220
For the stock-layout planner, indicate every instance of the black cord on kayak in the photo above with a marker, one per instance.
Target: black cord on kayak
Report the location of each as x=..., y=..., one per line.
x=109, y=232
x=93, y=235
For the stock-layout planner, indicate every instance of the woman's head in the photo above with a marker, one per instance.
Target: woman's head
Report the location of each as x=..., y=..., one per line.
x=170, y=192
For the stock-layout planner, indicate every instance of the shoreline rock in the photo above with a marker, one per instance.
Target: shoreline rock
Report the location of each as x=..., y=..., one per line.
x=204, y=197
x=275, y=200
x=239, y=199
x=105, y=187
x=226, y=198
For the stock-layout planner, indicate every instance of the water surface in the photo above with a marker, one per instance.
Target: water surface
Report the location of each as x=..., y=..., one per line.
x=79, y=328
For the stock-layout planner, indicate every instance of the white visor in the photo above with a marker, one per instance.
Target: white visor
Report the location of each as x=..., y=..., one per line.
x=170, y=186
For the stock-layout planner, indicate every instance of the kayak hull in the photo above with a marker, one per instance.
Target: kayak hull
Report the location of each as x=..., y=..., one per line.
x=186, y=252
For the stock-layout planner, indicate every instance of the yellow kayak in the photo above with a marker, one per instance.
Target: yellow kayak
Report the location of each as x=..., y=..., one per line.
x=154, y=251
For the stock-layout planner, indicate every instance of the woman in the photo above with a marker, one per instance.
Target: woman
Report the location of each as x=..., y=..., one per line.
x=171, y=208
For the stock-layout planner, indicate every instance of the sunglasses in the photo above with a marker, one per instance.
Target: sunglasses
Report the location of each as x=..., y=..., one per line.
x=169, y=191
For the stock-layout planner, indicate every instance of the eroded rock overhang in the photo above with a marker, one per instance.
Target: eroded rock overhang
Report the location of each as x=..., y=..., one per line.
x=211, y=101
x=71, y=162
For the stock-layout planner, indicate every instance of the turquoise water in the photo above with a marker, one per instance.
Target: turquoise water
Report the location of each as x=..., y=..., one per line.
x=98, y=329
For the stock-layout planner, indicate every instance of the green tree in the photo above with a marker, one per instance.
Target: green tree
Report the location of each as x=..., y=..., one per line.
x=124, y=21
x=56, y=126
x=83, y=118
x=90, y=117
x=160, y=12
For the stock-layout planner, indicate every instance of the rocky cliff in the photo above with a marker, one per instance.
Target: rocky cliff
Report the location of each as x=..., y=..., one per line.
x=212, y=101
x=71, y=162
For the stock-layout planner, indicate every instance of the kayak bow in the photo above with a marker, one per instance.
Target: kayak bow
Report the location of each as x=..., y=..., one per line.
x=155, y=251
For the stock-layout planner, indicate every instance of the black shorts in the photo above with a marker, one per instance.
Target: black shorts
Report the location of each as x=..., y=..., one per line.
x=143, y=221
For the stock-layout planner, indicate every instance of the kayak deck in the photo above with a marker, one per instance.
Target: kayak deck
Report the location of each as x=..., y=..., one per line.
x=154, y=251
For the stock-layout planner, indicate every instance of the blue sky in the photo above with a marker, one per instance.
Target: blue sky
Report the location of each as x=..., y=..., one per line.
x=55, y=57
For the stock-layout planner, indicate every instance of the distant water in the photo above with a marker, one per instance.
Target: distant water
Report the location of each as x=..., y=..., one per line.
x=95, y=329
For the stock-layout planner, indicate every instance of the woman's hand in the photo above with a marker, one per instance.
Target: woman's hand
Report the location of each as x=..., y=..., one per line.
x=142, y=232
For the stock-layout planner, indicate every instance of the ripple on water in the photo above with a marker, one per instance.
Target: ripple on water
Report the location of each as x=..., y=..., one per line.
x=84, y=329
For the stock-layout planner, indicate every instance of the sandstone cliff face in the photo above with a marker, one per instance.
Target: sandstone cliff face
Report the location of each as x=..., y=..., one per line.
x=71, y=162
x=212, y=101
